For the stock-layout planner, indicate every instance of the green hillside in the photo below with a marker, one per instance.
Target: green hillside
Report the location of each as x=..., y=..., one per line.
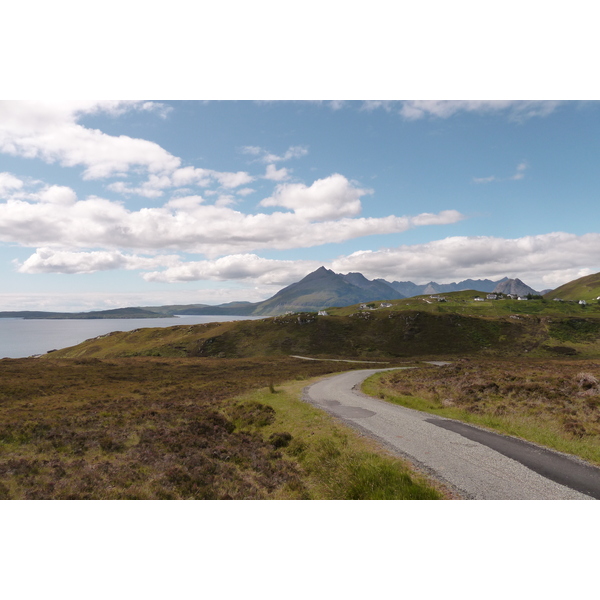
x=464, y=303
x=368, y=334
x=585, y=288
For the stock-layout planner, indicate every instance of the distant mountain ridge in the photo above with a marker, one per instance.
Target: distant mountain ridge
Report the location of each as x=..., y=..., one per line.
x=318, y=290
x=324, y=288
x=513, y=286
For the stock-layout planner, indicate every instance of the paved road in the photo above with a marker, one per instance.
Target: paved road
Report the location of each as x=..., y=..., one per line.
x=473, y=462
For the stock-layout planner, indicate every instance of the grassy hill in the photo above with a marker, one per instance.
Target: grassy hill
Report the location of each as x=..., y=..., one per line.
x=585, y=288
x=415, y=328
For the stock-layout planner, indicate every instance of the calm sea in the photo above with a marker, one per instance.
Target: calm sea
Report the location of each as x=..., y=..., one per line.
x=25, y=337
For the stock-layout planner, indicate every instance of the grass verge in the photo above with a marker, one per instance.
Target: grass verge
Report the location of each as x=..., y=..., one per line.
x=335, y=462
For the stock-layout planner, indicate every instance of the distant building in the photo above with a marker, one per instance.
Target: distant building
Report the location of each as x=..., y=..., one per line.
x=582, y=302
x=512, y=296
x=385, y=305
x=558, y=300
x=478, y=299
x=522, y=298
x=323, y=313
x=492, y=296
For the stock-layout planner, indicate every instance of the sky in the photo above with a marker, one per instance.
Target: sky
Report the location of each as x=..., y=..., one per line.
x=113, y=203
x=254, y=143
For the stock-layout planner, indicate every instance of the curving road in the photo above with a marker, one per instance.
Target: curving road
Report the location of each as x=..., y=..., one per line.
x=475, y=463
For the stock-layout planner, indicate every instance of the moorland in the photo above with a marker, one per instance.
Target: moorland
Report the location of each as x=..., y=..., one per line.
x=213, y=411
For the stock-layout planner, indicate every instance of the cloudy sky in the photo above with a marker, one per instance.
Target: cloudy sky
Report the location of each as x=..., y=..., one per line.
x=111, y=203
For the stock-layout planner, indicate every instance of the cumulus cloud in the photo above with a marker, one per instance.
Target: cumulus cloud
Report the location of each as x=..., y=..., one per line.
x=543, y=261
x=47, y=260
x=322, y=213
x=243, y=267
x=275, y=174
x=328, y=198
x=9, y=182
x=50, y=131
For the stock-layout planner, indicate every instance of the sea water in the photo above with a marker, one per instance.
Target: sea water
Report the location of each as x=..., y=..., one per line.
x=27, y=337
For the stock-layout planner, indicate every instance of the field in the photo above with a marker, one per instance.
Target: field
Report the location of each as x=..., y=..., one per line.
x=203, y=428
x=554, y=403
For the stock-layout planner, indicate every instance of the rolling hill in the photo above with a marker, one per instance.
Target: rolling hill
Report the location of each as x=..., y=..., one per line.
x=585, y=288
x=412, y=327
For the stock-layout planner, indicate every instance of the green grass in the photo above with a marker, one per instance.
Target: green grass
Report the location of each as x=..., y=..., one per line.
x=585, y=288
x=336, y=461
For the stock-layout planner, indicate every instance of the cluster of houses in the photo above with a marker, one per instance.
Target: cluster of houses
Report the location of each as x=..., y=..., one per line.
x=500, y=297
x=371, y=306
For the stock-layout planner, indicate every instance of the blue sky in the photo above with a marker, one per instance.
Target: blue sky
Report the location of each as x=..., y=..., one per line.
x=113, y=203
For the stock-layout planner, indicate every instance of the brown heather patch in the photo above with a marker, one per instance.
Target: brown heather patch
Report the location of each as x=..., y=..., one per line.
x=143, y=428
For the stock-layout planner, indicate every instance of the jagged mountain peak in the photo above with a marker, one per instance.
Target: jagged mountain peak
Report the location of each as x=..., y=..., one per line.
x=513, y=286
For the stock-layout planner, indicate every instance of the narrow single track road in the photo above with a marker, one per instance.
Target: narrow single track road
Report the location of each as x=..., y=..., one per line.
x=473, y=462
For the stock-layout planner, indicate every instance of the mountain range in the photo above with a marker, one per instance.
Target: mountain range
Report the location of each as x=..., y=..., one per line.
x=318, y=290
x=323, y=288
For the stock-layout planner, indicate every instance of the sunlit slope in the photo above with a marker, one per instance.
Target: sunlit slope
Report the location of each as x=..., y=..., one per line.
x=585, y=288
x=464, y=303
x=376, y=334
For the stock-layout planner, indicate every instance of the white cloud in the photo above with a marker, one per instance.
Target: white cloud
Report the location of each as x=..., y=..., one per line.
x=516, y=110
x=243, y=267
x=329, y=198
x=47, y=260
x=275, y=174
x=50, y=131
x=9, y=182
x=268, y=157
x=155, y=185
x=544, y=260
x=325, y=212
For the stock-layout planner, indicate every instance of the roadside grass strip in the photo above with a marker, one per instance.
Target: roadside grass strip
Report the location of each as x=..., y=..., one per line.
x=335, y=462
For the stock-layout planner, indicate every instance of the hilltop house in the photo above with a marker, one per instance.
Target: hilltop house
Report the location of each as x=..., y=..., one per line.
x=492, y=296
x=385, y=305
x=478, y=299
